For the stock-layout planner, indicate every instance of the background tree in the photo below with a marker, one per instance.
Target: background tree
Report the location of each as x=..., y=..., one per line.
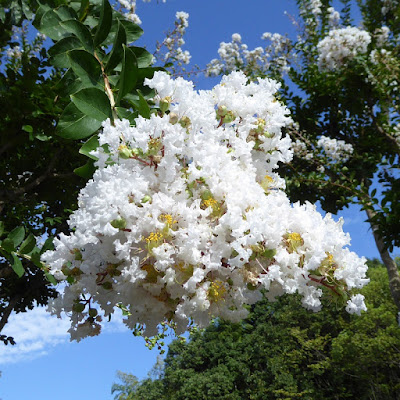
x=282, y=351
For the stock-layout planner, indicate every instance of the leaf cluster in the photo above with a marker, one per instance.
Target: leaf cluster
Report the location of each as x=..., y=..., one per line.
x=51, y=102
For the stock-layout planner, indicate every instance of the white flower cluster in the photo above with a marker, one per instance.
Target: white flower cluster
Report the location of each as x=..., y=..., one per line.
x=340, y=46
x=382, y=36
x=315, y=7
x=236, y=55
x=333, y=17
x=230, y=57
x=388, y=5
x=14, y=52
x=130, y=9
x=186, y=220
x=336, y=150
x=175, y=40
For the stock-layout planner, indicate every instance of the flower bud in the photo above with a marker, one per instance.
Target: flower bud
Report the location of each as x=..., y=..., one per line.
x=146, y=199
x=93, y=312
x=124, y=152
x=222, y=111
x=135, y=152
x=119, y=223
x=173, y=118
x=185, y=122
x=157, y=158
x=107, y=285
x=165, y=103
x=78, y=307
x=229, y=117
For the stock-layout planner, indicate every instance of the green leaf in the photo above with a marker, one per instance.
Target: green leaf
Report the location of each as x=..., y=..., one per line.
x=104, y=26
x=133, y=31
x=144, y=58
x=68, y=84
x=65, y=13
x=126, y=114
x=2, y=14
x=129, y=74
x=59, y=52
x=35, y=258
x=17, y=265
x=28, y=244
x=86, y=171
x=144, y=109
x=81, y=31
x=50, y=25
x=27, y=128
x=93, y=103
x=48, y=245
x=90, y=145
x=8, y=245
x=117, y=51
x=85, y=66
x=50, y=278
x=17, y=235
x=1, y=228
x=73, y=124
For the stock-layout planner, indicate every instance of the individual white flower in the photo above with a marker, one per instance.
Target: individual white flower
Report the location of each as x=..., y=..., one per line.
x=356, y=304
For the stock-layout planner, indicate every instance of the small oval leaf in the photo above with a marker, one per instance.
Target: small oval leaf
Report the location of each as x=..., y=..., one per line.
x=93, y=103
x=104, y=26
x=73, y=124
x=28, y=244
x=16, y=265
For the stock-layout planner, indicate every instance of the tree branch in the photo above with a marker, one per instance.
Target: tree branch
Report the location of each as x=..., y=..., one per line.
x=12, y=303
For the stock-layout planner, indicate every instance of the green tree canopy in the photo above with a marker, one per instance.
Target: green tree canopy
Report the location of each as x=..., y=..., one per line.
x=282, y=351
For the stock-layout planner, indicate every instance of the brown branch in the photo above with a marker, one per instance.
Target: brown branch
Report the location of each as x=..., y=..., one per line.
x=11, y=304
x=107, y=86
x=383, y=132
x=36, y=182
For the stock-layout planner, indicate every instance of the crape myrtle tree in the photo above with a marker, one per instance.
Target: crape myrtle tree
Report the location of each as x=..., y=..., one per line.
x=53, y=102
x=164, y=230
x=281, y=351
x=341, y=81
x=186, y=217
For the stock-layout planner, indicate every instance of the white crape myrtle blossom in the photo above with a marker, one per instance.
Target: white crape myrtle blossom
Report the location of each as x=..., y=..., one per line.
x=382, y=36
x=130, y=9
x=230, y=57
x=14, y=52
x=333, y=17
x=236, y=55
x=174, y=41
x=186, y=220
x=315, y=7
x=388, y=5
x=336, y=150
x=340, y=46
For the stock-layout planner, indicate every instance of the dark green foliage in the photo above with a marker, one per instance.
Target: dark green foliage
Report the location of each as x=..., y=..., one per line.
x=50, y=101
x=282, y=351
x=354, y=103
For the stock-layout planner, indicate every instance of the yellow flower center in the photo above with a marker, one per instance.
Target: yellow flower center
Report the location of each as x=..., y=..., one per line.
x=294, y=236
x=210, y=203
x=167, y=218
x=154, y=237
x=216, y=291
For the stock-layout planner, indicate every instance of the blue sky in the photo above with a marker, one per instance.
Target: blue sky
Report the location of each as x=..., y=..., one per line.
x=44, y=365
